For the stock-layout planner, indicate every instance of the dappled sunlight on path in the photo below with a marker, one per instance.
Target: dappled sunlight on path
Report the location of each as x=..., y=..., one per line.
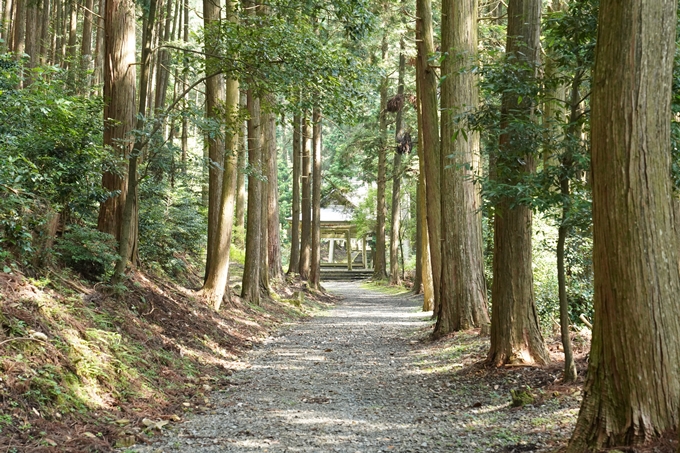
x=348, y=380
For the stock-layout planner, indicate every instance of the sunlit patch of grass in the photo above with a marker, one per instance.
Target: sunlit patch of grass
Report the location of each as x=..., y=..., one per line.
x=384, y=287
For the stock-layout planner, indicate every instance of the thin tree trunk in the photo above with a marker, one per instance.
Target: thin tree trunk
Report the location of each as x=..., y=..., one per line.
x=273, y=235
x=515, y=334
x=86, y=46
x=305, y=182
x=632, y=392
x=427, y=79
x=250, y=290
x=379, y=264
x=396, y=174
x=45, y=39
x=185, y=72
x=295, y=222
x=72, y=48
x=99, y=45
x=5, y=26
x=162, y=71
x=241, y=181
x=264, y=203
x=315, y=271
x=463, y=287
x=216, y=286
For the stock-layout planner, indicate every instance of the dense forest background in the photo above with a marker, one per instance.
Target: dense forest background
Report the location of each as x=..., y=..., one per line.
x=190, y=141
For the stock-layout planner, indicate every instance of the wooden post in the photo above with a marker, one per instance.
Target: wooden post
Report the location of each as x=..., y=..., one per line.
x=349, y=250
x=363, y=252
x=331, y=250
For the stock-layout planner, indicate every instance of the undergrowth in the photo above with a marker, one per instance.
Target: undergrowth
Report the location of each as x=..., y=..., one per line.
x=82, y=370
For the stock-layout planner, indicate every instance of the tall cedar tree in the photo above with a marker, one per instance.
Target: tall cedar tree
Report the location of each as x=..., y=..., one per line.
x=306, y=203
x=217, y=278
x=515, y=334
x=632, y=391
x=315, y=270
x=463, y=287
x=379, y=264
x=273, y=235
x=421, y=214
x=250, y=289
x=215, y=95
x=427, y=92
x=395, y=277
x=295, y=224
x=119, y=105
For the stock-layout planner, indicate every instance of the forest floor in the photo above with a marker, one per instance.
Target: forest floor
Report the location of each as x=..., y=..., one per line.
x=365, y=377
x=86, y=368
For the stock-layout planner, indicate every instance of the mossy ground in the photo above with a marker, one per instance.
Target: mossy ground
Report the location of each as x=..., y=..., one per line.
x=81, y=368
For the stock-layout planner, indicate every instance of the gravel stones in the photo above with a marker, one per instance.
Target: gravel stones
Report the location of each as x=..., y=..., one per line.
x=345, y=381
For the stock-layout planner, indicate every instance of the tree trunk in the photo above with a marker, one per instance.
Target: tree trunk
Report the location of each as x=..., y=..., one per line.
x=216, y=284
x=632, y=391
x=250, y=290
x=99, y=55
x=185, y=72
x=305, y=182
x=19, y=28
x=515, y=334
x=295, y=222
x=72, y=49
x=119, y=110
x=162, y=72
x=86, y=46
x=463, y=287
x=315, y=271
x=5, y=25
x=396, y=174
x=129, y=227
x=273, y=235
x=427, y=80
x=45, y=39
x=379, y=264
x=421, y=215
x=242, y=160
x=215, y=96
x=32, y=33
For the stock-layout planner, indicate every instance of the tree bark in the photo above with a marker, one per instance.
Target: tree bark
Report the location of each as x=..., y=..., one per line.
x=379, y=263
x=295, y=221
x=242, y=160
x=86, y=46
x=515, y=334
x=129, y=227
x=315, y=270
x=395, y=224
x=273, y=235
x=427, y=79
x=632, y=391
x=421, y=215
x=215, y=95
x=305, y=182
x=5, y=26
x=32, y=33
x=250, y=290
x=19, y=28
x=216, y=285
x=119, y=108
x=463, y=287
x=99, y=46
x=162, y=71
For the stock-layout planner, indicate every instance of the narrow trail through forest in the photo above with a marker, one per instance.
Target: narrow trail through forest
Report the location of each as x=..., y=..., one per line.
x=351, y=380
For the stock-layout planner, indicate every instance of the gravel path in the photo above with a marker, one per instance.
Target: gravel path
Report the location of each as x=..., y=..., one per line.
x=347, y=381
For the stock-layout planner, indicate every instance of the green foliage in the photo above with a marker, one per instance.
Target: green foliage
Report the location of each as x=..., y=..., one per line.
x=172, y=227
x=88, y=251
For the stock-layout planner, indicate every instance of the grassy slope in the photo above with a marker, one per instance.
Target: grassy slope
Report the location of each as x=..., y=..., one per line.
x=83, y=371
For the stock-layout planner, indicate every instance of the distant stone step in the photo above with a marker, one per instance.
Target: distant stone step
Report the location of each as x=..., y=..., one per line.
x=345, y=275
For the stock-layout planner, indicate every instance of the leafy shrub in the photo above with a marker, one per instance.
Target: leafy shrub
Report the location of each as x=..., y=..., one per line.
x=88, y=251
